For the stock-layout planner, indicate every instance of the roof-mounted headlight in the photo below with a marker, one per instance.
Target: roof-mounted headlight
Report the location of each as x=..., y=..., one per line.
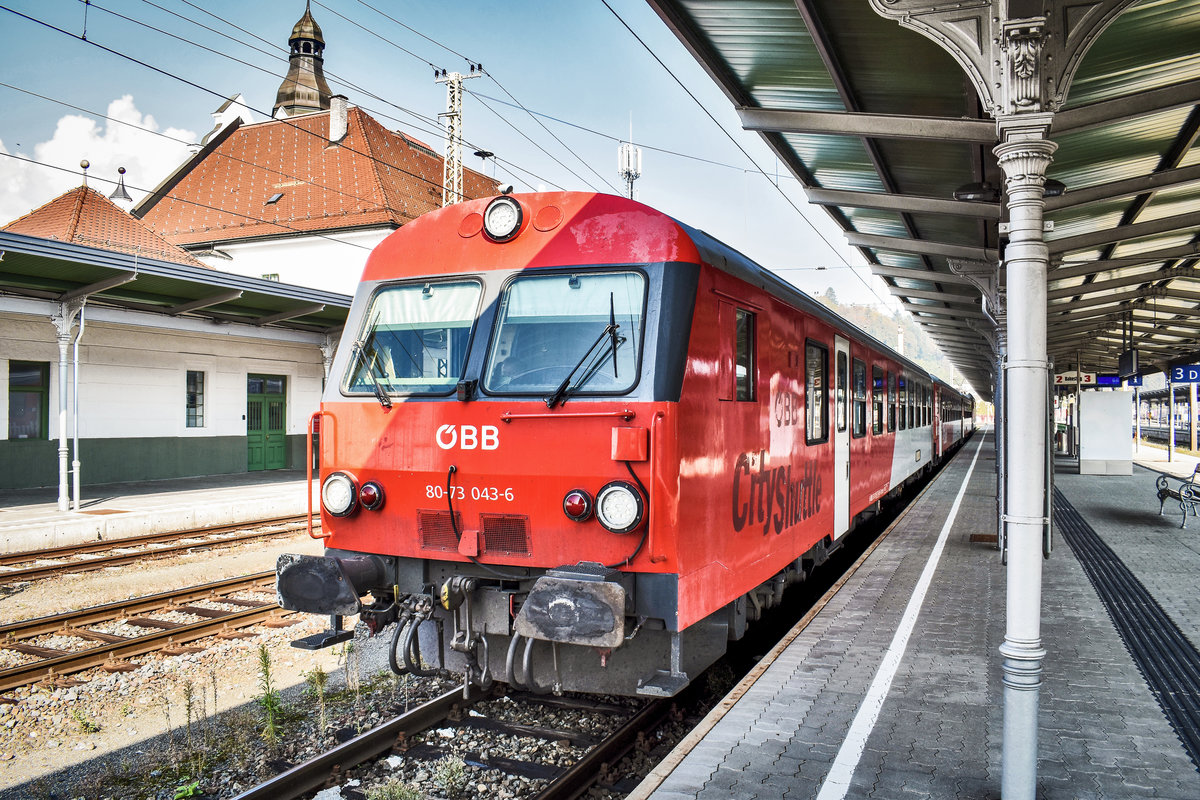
x=502, y=219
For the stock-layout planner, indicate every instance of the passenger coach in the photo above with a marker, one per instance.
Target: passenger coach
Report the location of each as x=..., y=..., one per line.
x=569, y=442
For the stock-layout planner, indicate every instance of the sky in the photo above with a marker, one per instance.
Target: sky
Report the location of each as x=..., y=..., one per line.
x=565, y=81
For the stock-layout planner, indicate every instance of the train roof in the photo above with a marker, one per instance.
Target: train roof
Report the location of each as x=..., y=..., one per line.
x=564, y=227
x=733, y=262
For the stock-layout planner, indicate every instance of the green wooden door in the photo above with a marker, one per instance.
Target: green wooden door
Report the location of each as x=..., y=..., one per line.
x=266, y=416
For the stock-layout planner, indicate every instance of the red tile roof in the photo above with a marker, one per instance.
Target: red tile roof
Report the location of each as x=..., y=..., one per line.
x=373, y=177
x=86, y=217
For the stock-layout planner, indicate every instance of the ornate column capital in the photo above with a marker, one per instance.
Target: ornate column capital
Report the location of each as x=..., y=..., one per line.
x=1016, y=65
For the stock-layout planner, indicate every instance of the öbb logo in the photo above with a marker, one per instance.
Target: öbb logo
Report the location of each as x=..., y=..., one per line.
x=468, y=437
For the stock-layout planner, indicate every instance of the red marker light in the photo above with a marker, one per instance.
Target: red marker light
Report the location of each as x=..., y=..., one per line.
x=577, y=505
x=371, y=496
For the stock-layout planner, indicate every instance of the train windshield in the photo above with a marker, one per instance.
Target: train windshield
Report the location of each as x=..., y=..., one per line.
x=415, y=339
x=568, y=334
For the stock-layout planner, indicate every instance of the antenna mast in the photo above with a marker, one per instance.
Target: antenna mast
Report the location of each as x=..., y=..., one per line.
x=452, y=188
x=629, y=161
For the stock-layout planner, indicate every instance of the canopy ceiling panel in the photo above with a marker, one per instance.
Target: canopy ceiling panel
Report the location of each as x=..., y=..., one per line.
x=882, y=127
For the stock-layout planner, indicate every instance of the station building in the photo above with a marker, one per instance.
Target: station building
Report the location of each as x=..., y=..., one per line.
x=160, y=366
x=204, y=320
x=305, y=196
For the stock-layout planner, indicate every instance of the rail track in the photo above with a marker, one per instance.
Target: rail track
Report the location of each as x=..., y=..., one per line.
x=171, y=619
x=407, y=735
x=139, y=548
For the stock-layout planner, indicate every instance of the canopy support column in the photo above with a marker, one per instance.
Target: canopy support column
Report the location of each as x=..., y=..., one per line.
x=1024, y=154
x=64, y=320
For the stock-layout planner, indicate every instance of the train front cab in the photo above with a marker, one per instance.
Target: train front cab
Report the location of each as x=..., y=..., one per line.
x=463, y=502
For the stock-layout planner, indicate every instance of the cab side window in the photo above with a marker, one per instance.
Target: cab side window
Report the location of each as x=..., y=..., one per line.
x=743, y=359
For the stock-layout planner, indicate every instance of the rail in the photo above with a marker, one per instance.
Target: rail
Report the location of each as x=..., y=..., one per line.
x=214, y=537
x=53, y=663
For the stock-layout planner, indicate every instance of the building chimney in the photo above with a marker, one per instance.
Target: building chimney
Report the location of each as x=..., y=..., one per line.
x=338, y=107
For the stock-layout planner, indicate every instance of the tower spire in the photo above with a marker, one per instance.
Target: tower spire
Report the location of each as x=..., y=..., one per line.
x=304, y=90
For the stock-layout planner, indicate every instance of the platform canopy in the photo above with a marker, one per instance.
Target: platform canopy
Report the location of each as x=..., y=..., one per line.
x=888, y=133
x=51, y=270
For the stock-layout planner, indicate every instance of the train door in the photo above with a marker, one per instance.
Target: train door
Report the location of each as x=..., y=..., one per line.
x=937, y=421
x=841, y=437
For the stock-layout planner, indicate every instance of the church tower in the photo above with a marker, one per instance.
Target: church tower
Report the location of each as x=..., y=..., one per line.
x=304, y=90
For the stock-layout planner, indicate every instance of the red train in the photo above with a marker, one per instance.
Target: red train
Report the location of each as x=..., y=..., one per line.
x=585, y=444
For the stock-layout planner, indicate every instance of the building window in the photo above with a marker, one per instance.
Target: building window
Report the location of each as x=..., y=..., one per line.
x=195, y=399
x=28, y=399
x=858, y=426
x=743, y=359
x=816, y=393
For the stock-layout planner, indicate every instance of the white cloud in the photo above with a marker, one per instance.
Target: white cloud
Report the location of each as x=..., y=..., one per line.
x=106, y=144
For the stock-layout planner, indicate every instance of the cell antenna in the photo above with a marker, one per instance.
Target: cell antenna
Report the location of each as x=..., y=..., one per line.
x=629, y=161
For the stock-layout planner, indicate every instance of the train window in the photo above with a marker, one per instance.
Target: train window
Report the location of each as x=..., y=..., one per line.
x=816, y=392
x=903, y=402
x=891, y=399
x=840, y=393
x=858, y=427
x=414, y=340
x=577, y=333
x=876, y=400
x=911, y=406
x=743, y=363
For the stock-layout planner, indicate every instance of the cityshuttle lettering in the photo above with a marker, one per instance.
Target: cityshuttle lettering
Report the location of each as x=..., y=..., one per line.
x=773, y=498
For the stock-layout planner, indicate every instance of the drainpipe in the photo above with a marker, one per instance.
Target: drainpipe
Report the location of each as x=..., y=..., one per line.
x=75, y=408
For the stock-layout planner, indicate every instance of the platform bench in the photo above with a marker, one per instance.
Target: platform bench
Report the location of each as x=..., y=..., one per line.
x=1187, y=493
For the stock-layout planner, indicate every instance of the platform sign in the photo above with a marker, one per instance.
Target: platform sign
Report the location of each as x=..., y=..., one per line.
x=1133, y=380
x=1069, y=379
x=1189, y=373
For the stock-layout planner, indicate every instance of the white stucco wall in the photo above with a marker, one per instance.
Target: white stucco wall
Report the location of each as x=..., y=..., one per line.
x=133, y=370
x=333, y=262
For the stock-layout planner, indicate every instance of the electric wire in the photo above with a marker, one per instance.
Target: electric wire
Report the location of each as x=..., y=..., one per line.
x=738, y=145
x=518, y=104
x=433, y=126
x=284, y=226
x=176, y=139
x=193, y=84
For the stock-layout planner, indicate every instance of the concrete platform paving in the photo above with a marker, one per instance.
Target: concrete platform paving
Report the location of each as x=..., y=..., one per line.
x=30, y=519
x=935, y=731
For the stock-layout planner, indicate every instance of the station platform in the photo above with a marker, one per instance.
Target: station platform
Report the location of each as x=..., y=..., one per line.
x=30, y=519
x=856, y=703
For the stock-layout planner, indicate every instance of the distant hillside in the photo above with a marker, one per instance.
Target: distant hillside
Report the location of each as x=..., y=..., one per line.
x=887, y=328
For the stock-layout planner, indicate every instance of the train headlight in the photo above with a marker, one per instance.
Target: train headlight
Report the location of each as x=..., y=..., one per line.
x=577, y=505
x=502, y=219
x=619, y=507
x=371, y=496
x=338, y=494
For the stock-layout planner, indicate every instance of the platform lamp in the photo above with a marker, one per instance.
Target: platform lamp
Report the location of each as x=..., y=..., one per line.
x=984, y=192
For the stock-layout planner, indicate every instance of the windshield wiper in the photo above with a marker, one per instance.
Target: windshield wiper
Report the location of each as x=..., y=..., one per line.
x=380, y=394
x=610, y=330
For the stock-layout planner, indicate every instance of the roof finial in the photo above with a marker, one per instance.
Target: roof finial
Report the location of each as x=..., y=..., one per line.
x=120, y=195
x=84, y=164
